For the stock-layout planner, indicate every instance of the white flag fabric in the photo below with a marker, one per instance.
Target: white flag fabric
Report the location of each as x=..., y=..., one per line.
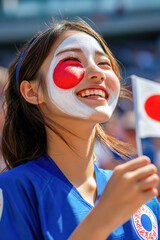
x=146, y=96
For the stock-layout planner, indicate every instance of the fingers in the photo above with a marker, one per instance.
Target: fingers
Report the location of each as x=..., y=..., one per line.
x=133, y=164
x=133, y=182
x=149, y=183
x=136, y=170
x=146, y=188
x=139, y=177
x=144, y=172
x=149, y=194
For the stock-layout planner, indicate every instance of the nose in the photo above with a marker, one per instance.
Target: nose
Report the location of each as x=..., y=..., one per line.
x=95, y=73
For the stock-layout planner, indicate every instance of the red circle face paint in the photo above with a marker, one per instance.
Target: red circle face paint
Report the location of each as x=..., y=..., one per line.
x=67, y=74
x=152, y=107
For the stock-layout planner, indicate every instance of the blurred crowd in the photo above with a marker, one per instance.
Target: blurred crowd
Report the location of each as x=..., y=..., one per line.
x=139, y=56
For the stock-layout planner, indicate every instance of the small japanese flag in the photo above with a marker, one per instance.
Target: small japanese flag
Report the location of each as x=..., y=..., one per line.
x=146, y=95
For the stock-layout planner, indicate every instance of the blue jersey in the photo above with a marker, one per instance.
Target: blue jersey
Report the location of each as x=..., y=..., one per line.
x=38, y=202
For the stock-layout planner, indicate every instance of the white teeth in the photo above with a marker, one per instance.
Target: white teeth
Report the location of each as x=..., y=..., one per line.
x=96, y=92
x=103, y=94
x=87, y=92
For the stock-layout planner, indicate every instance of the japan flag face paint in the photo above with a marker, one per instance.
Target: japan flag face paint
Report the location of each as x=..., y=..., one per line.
x=65, y=73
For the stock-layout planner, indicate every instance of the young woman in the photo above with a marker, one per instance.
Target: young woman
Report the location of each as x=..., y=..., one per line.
x=61, y=87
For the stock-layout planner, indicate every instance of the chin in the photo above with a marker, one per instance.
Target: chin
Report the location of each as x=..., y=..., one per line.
x=100, y=117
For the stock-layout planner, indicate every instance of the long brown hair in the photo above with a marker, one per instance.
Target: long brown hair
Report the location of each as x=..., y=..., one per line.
x=24, y=134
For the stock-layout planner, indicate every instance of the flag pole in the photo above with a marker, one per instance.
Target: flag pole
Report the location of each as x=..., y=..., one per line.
x=138, y=139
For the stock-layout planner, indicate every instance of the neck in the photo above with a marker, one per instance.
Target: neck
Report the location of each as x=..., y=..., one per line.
x=75, y=156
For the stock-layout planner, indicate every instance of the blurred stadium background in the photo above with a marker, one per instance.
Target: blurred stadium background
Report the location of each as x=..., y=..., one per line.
x=130, y=27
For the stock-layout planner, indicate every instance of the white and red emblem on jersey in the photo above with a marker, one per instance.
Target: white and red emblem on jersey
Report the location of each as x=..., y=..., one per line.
x=145, y=224
x=1, y=203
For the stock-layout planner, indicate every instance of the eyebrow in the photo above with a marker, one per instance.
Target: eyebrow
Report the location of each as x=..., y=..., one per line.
x=69, y=50
x=80, y=50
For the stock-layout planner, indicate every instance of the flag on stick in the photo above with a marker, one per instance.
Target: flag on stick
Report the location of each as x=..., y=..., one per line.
x=146, y=96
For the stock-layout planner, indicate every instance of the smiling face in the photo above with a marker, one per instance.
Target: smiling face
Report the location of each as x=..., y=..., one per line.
x=80, y=79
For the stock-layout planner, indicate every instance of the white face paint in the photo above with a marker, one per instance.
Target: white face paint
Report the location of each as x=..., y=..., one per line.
x=111, y=102
x=66, y=99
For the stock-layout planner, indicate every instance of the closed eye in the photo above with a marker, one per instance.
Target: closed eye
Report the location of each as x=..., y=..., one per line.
x=105, y=63
x=71, y=58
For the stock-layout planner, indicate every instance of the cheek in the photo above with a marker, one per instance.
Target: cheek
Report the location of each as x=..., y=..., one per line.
x=68, y=74
x=113, y=82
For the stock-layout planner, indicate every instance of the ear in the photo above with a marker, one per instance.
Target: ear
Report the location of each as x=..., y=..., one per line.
x=31, y=92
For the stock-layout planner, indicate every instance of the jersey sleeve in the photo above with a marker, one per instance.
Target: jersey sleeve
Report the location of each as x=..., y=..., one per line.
x=18, y=215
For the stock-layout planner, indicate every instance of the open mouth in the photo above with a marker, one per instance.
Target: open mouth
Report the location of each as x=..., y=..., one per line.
x=95, y=93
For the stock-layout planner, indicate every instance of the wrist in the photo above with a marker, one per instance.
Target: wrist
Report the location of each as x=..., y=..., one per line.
x=102, y=224
x=94, y=226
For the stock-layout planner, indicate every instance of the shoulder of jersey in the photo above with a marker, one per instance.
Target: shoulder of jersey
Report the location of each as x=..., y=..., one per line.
x=31, y=171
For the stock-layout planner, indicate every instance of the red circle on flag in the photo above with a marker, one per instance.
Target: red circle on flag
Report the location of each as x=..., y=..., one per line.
x=152, y=107
x=67, y=74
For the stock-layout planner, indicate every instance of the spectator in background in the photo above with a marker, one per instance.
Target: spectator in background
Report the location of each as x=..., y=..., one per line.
x=129, y=135
x=128, y=124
